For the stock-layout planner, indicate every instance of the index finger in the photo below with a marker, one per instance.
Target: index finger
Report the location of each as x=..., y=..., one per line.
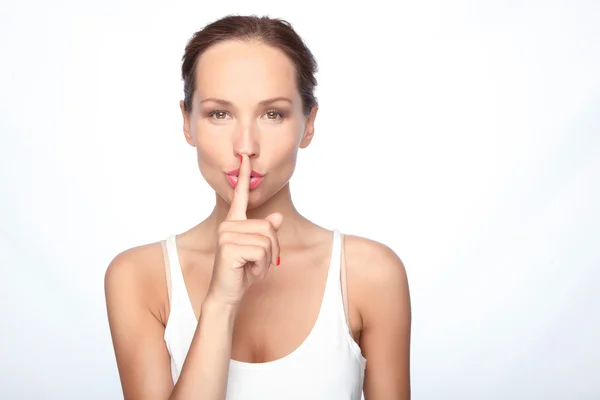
x=239, y=203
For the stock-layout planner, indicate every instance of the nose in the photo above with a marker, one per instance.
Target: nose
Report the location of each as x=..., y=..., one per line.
x=245, y=141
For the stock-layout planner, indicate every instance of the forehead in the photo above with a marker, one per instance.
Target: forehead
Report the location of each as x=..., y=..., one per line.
x=241, y=71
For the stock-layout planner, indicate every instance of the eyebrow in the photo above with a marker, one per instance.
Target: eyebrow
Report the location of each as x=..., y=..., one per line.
x=263, y=102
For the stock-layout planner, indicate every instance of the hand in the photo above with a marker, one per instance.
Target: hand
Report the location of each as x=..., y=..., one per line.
x=245, y=248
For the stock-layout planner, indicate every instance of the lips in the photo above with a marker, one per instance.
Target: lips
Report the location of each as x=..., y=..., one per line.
x=255, y=178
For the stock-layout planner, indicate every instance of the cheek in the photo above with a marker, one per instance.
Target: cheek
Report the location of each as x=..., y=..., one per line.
x=283, y=161
x=283, y=142
x=210, y=145
x=210, y=153
x=281, y=152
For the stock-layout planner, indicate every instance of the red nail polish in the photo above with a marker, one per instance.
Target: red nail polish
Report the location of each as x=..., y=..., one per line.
x=241, y=159
x=278, y=260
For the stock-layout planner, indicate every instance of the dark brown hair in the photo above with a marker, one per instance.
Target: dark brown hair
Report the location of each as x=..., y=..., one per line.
x=271, y=31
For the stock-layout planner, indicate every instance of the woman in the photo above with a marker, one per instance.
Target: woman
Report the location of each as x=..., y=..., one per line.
x=256, y=301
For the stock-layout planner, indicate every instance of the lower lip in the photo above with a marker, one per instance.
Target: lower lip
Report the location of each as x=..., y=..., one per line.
x=254, y=181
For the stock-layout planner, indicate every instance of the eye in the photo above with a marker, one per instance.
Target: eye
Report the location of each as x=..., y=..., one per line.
x=274, y=114
x=218, y=114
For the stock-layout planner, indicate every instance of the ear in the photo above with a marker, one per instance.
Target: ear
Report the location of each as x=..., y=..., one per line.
x=309, y=128
x=186, y=125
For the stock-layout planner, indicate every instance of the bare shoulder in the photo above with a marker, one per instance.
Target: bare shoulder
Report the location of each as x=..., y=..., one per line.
x=135, y=267
x=378, y=286
x=138, y=275
x=377, y=282
x=373, y=265
x=136, y=294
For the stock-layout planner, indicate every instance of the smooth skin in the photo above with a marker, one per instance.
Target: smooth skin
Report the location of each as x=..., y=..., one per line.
x=241, y=298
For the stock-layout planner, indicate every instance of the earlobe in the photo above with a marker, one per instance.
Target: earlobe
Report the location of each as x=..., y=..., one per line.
x=186, y=124
x=309, y=128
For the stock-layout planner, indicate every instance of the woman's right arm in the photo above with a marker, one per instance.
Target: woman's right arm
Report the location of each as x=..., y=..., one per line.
x=142, y=357
x=137, y=332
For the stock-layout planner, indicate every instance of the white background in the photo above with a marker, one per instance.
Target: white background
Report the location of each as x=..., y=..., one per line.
x=463, y=134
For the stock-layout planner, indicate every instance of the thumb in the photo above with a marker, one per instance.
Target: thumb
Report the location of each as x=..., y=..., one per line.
x=276, y=219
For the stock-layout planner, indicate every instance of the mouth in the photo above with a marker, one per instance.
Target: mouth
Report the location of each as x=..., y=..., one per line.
x=255, y=178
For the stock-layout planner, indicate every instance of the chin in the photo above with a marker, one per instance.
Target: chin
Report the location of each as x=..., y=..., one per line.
x=256, y=197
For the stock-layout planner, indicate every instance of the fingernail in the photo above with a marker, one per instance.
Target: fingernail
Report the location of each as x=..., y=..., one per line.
x=241, y=159
x=278, y=260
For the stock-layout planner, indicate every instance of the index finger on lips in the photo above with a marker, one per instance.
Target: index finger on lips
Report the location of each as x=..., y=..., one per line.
x=239, y=203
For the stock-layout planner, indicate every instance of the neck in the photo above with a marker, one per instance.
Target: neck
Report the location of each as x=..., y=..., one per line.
x=281, y=202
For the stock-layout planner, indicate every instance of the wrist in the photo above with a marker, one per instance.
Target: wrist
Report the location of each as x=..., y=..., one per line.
x=213, y=306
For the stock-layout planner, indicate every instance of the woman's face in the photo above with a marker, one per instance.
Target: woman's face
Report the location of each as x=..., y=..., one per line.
x=247, y=102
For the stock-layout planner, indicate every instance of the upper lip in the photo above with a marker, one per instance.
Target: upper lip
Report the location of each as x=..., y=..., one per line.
x=236, y=172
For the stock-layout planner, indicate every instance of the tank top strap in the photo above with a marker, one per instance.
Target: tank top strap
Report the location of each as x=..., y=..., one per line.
x=333, y=286
x=333, y=276
x=178, y=288
x=334, y=320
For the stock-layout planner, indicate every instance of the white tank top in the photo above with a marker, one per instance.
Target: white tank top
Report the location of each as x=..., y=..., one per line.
x=328, y=365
